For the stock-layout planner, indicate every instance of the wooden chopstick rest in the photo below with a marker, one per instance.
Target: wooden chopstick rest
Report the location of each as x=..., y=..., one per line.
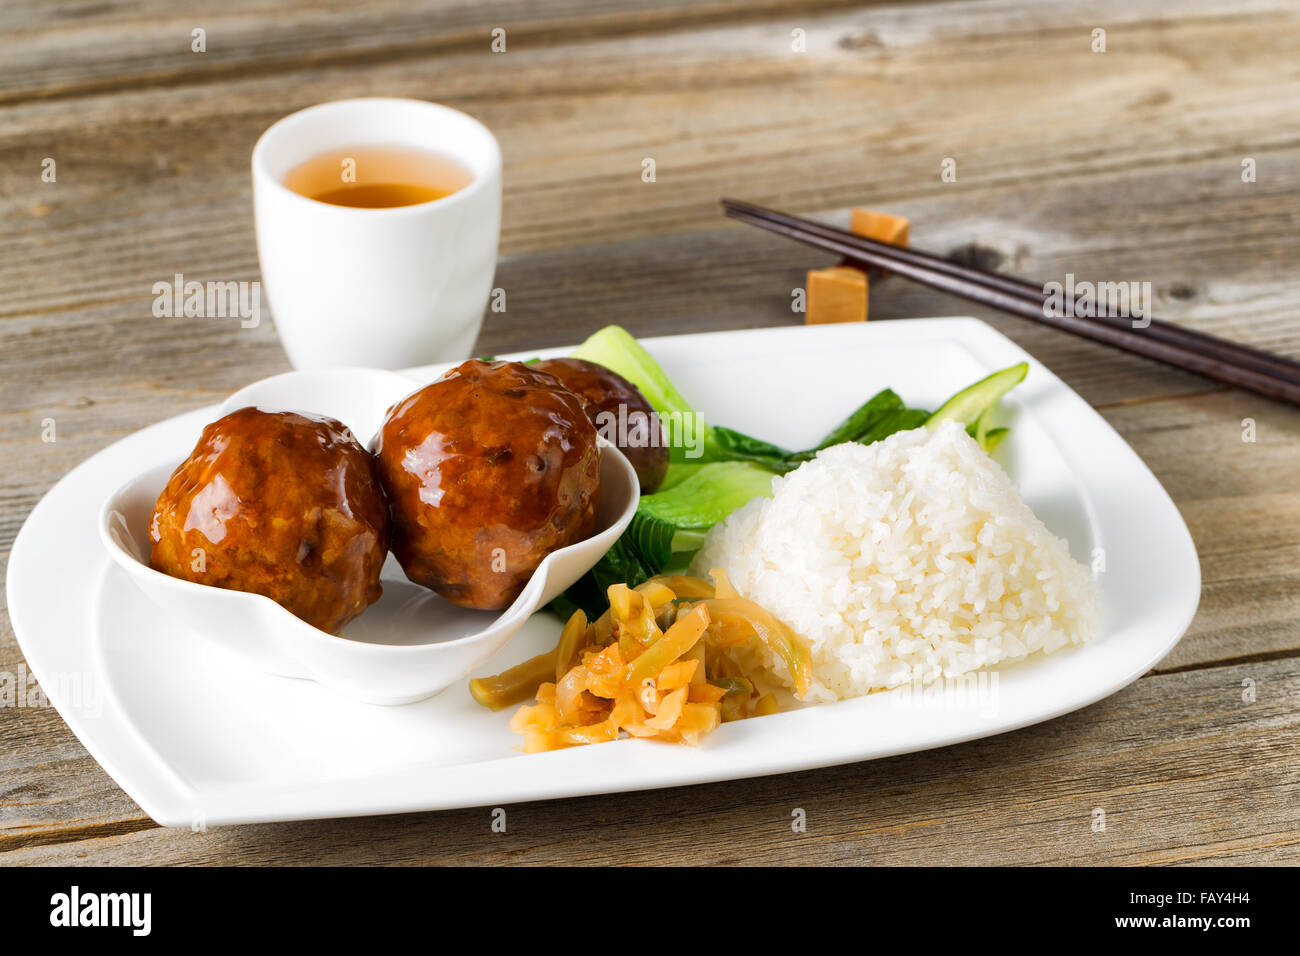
x=841, y=293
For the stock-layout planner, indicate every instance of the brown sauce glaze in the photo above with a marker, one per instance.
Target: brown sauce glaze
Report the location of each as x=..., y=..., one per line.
x=280, y=504
x=613, y=399
x=487, y=471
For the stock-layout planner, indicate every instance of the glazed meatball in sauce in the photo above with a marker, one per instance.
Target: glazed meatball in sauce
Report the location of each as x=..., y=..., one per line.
x=613, y=400
x=279, y=504
x=487, y=471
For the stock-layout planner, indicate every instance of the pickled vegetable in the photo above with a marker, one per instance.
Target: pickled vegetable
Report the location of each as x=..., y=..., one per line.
x=658, y=664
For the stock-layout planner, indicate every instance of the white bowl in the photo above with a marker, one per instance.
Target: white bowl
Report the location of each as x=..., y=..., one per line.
x=410, y=643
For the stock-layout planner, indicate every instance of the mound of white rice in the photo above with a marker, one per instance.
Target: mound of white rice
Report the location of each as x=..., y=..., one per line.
x=909, y=560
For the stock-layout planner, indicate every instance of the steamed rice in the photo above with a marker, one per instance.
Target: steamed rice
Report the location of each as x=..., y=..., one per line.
x=909, y=560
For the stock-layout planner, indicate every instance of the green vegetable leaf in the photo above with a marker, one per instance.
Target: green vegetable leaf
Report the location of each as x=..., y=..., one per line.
x=706, y=497
x=862, y=419
x=745, y=448
x=668, y=525
x=898, y=420
x=734, y=468
x=993, y=438
x=973, y=401
x=616, y=349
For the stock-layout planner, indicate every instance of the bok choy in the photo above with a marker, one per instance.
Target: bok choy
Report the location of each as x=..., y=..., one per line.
x=724, y=469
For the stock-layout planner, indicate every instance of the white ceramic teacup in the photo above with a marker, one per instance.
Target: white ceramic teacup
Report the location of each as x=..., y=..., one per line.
x=392, y=287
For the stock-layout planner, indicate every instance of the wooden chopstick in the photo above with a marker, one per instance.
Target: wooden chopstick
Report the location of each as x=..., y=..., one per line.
x=1158, y=329
x=1219, y=359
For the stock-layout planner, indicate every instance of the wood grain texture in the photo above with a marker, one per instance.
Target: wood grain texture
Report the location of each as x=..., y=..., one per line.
x=119, y=45
x=1171, y=761
x=1125, y=165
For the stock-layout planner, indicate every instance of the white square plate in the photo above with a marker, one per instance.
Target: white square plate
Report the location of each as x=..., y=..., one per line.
x=194, y=736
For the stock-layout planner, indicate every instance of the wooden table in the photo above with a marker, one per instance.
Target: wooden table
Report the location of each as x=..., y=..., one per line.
x=1125, y=164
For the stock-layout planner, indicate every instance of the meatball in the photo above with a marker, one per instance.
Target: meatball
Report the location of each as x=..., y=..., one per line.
x=620, y=412
x=488, y=470
x=280, y=504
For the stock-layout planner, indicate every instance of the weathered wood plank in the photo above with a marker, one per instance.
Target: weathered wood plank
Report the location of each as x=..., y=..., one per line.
x=1173, y=761
x=1231, y=492
x=735, y=277
x=1125, y=166
x=652, y=286
x=63, y=48
x=723, y=110
x=1242, y=504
